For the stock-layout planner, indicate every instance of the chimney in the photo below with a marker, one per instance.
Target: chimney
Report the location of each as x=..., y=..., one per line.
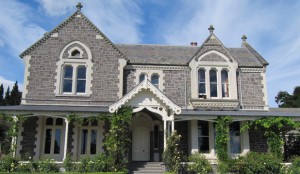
x=194, y=44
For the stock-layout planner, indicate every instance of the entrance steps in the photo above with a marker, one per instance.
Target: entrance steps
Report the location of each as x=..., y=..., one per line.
x=145, y=168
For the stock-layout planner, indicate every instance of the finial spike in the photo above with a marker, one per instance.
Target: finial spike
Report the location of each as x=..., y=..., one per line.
x=211, y=28
x=244, y=38
x=79, y=6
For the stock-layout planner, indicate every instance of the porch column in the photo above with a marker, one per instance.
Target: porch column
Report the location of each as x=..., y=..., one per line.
x=165, y=134
x=194, y=135
x=14, y=138
x=66, y=139
x=173, y=126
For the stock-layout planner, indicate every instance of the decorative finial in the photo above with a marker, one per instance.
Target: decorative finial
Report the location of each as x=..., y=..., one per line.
x=79, y=6
x=244, y=38
x=211, y=28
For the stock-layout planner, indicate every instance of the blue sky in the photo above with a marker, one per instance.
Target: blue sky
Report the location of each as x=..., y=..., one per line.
x=272, y=28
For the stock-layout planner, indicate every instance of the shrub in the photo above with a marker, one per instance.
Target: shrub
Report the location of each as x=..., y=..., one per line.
x=83, y=166
x=295, y=167
x=68, y=164
x=172, y=156
x=255, y=163
x=8, y=164
x=199, y=164
x=47, y=166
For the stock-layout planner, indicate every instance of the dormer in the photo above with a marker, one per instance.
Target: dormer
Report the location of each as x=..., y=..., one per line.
x=213, y=76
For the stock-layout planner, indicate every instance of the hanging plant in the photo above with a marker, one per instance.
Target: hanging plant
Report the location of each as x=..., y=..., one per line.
x=222, y=137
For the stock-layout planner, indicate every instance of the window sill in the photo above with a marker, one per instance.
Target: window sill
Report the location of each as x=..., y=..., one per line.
x=72, y=95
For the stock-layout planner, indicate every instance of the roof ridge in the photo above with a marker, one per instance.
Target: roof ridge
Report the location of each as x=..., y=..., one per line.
x=158, y=45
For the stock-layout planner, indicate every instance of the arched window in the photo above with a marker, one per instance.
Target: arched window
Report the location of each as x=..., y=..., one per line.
x=53, y=136
x=213, y=83
x=225, y=83
x=155, y=80
x=75, y=53
x=142, y=77
x=68, y=78
x=201, y=83
x=49, y=121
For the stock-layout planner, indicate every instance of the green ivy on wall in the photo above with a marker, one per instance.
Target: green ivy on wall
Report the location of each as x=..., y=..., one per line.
x=222, y=137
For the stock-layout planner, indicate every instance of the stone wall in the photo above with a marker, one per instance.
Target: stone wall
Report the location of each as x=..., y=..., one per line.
x=258, y=142
x=43, y=67
x=175, y=86
x=129, y=80
x=252, y=90
x=28, y=137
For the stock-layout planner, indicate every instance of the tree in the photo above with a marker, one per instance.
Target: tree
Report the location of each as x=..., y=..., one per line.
x=7, y=96
x=286, y=100
x=1, y=95
x=15, y=95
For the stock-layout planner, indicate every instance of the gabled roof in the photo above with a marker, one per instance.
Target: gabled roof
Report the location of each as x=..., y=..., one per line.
x=211, y=43
x=146, y=85
x=255, y=53
x=61, y=25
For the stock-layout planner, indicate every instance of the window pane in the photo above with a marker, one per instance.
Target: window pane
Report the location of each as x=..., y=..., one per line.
x=213, y=90
x=225, y=83
x=48, y=141
x=49, y=121
x=75, y=53
x=68, y=72
x=142, y=77
x=83, y=141
x=155, y=80
x=93, y=142
x=203, y=144
x=81, y=72
x=94, y=123
x=201, y=81
x=213, y=76
x=67, y=85
x=203, y=128
x=80, y=86
x=235, y=140
x=59, y=121
x=201, y=75
x=57, y=141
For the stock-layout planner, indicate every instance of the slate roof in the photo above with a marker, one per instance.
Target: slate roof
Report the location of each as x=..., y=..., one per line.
x=180, y=55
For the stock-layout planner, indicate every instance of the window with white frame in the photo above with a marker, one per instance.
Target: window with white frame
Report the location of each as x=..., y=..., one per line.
x=225, y=83
x=53, y=136
x=208, y=85
x=235, y=137
x=142, y=77
x=89, y=137
x=155, y=80
x=74, y=79
x=201, y=83
x=203, y=136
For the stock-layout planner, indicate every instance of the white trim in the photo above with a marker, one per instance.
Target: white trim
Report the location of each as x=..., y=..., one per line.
x=26, y=60
x=153, y=67
x=54, y=35
x=66, y=138
x=63, y=61
x=149, y=73
x=38, y=137
x=145, y=85
x=265, y=91
x=98, y=36
x=252, y=70
x=122, y=64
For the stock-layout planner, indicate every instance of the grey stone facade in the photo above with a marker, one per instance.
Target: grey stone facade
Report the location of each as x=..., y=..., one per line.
x=43, y=67
x=29, y=138
x=251, y=91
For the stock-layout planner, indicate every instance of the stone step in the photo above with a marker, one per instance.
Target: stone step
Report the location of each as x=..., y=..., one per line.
x=145, y=168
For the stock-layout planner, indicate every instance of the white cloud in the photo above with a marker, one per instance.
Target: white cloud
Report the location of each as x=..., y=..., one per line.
x=119, y=20
x=17, y=30
x=9, y=83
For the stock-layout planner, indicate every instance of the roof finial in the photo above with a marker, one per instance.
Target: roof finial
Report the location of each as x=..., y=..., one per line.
x=211, y=28
x=244, y=38
x=79, y=6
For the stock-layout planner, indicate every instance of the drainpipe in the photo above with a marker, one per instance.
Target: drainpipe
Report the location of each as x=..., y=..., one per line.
x=240, y=88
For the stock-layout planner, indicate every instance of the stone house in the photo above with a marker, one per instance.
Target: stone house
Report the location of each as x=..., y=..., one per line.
x=75, y=68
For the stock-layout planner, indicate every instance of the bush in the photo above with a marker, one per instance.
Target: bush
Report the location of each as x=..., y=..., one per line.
x=8, y=164
x=172, y=156
x=295, y=167
x=69, y=164
x=47, y=166
x=254, y=163
x=199, y=164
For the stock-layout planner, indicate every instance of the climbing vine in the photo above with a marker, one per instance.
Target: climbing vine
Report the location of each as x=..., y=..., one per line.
x=222, y=137
x=275, y=129
x=13, y=128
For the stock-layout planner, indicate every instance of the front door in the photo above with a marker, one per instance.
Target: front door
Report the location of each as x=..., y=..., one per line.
x=141, y=144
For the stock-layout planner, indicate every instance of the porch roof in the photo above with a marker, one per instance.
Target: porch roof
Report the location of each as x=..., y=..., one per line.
x=272, y=112
x=55, y=108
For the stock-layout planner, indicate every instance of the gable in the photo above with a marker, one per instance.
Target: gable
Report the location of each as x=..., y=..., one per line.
x=213, y=57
